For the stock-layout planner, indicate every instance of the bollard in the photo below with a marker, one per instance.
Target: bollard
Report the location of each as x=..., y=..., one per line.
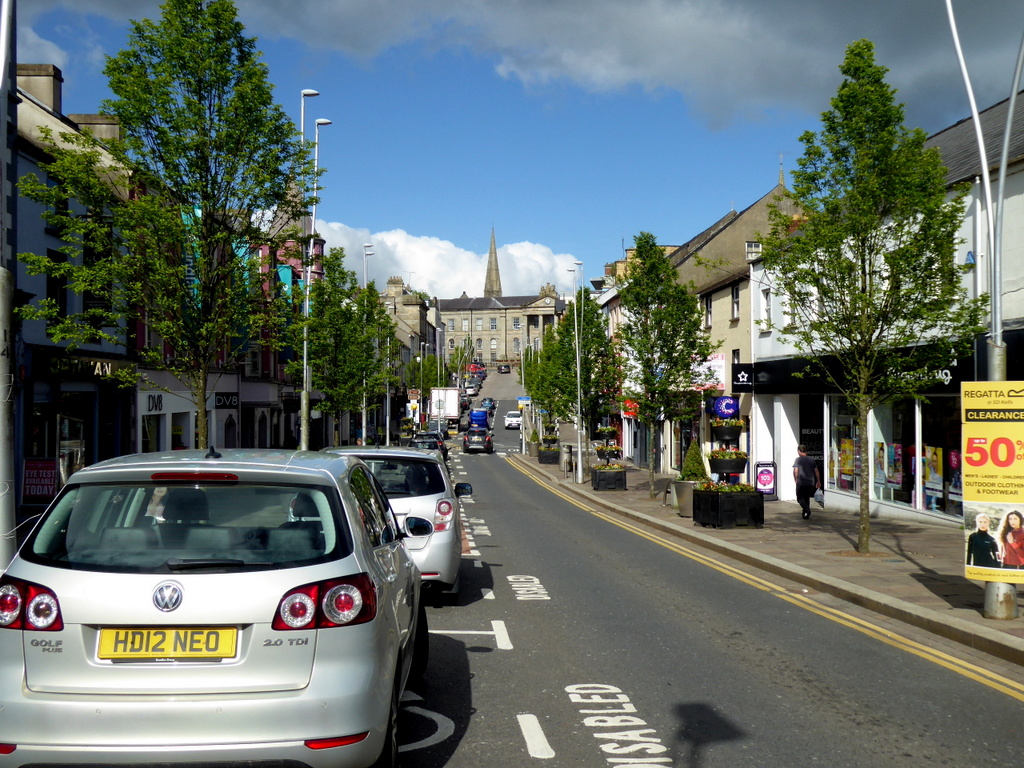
x=1000, y=600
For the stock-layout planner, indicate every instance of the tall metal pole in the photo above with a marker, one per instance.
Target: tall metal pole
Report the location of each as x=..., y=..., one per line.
x=307, y=279
x=1000, y=596
x=579, y=391
x=306, y=248
x=367, y=251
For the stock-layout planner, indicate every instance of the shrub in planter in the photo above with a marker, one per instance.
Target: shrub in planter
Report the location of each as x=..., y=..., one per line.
x=692, y=472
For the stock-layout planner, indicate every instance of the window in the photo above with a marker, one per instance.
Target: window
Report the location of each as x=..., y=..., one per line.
x=494, y=323
x=494, y=344
x=465, y=324
x=707, y=310
x=253, y=359
x=451, y=325
x=753, y=250
x=735, y=357
x=515, y=345
x=736, y=301
x=479, y=343
x=451, y=343
x=479, y=323
x=766, y=305
x=516, y=323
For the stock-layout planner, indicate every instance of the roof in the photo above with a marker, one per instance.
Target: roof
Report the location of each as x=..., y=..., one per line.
x=475, y=304
x=959, y=145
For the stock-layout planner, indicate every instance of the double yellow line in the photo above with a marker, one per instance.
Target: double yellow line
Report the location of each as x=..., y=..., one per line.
x=979, y=674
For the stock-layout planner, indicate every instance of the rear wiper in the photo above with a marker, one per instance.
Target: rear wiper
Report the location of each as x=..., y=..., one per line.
x=179, y=564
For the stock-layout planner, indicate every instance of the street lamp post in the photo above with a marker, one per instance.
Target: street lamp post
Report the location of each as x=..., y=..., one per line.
x=367, y=251
x=307, y=277
x=579, y=395
x=306, y=248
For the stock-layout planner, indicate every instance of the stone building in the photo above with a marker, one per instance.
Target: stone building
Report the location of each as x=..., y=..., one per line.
x=499, y=327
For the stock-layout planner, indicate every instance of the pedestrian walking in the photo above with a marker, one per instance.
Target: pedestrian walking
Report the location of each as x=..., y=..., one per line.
x=807, y=479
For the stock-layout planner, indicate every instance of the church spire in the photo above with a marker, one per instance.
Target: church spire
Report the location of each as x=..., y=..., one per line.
x=492, y=281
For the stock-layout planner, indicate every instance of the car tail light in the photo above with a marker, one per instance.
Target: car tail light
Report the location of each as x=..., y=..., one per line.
x=444, y=515
x=333, y=603
x=28, y=606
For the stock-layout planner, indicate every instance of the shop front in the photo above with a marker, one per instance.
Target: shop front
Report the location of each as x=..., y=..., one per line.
x=914, y=444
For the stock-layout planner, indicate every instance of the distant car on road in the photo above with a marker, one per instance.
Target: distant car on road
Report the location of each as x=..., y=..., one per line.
x=490, y=404
x=194, y=608
x=477, y=439
x=513, y=420
x=504, y=368
x=480, y=417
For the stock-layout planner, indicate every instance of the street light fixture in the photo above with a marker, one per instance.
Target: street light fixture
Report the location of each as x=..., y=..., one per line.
x=304, y=396
x=307, y=277
x=368, y=251
x=579, y=393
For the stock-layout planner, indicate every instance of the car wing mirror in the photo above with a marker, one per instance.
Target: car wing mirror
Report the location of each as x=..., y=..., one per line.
x=463, y=489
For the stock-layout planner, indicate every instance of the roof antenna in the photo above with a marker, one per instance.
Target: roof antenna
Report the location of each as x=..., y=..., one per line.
x=212, y=453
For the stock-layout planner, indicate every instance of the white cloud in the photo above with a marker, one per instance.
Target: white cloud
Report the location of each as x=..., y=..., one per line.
x=442, y=269
x=33, y=48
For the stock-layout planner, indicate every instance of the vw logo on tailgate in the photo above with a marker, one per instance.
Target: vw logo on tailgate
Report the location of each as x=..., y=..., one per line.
x=167, y=597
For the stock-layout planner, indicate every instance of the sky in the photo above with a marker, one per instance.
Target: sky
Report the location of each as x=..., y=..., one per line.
x=566, y=127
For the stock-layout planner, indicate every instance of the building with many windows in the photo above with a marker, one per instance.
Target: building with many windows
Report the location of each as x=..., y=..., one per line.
x=497, y=327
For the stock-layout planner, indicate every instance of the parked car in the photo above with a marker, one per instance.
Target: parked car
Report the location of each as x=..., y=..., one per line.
x=477, y=439
x=418, y=484
x=434, y=441
x=514, y=420
x=490, y=404
x=187, y=609
x=504, y=368
x=473, y=387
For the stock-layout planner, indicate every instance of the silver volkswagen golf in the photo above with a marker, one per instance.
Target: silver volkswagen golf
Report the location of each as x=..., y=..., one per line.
x=246, y=608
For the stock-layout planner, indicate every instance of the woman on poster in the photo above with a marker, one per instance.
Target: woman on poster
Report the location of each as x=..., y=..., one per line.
x=1011, y=540
x=982, y=549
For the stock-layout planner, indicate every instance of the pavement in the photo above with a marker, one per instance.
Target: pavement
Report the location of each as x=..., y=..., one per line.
x=914, y=573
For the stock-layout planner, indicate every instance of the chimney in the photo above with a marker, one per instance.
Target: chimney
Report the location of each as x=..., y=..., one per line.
x=42, y=82
x=102, y=126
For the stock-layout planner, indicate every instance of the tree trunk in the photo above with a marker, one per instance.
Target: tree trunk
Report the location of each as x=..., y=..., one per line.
x=202, y=419
x=864, y=477
x=650, y=460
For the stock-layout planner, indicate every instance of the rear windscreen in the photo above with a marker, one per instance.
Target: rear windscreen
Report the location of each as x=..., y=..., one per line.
x=407, y=477
x=161, y=528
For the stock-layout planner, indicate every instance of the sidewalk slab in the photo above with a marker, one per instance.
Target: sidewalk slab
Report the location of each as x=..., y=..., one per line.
x=914, y=572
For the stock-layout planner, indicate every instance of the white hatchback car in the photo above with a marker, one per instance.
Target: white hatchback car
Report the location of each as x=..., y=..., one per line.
x=514, y=420
x=255, y=607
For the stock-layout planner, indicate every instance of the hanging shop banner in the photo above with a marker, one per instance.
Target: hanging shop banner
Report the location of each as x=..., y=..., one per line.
x=992, y=464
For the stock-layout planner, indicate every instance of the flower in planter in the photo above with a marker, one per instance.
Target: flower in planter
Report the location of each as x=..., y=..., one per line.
x=727, y=453
x=714, y=487
x=611, y=465
x=606, y=448
x=548, y=448
x=727, y=422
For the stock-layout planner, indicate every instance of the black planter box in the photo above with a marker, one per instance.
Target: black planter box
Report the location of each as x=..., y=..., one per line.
x=728, y=509
x=547, y=457
x=608, y=479
x=727, y=466
x=726, y=434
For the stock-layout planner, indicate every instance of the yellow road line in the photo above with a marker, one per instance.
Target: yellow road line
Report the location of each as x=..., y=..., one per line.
x=966, y=669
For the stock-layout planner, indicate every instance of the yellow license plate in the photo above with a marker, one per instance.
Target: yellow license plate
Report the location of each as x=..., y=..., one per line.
x=167, y=642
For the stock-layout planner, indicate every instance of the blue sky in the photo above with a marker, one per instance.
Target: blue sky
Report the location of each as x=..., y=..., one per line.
x=567, y=126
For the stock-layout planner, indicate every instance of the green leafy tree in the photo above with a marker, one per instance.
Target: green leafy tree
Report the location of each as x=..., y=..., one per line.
x=872, y=294
x=665, y=345
x=598, y=380
x=353, y=351
x=165, y=222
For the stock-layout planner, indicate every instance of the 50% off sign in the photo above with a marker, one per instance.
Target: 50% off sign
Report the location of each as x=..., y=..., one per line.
x=993, y=441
